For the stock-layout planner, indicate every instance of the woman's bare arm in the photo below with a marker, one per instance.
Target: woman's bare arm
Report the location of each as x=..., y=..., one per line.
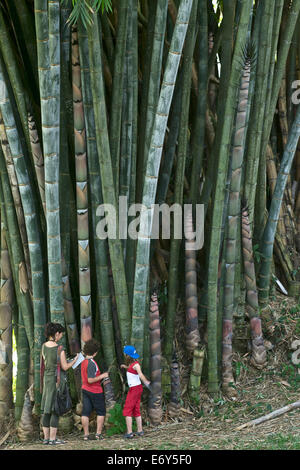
x=63, y=361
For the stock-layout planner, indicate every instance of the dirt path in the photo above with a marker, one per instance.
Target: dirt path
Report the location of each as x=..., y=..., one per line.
x=192, y=435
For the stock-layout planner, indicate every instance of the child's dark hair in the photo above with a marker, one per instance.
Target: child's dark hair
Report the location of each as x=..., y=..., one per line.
x=129, y=360
x=91, y=347
x=52, y=328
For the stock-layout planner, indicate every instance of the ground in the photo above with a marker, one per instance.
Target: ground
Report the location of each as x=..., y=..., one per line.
x=213, y=424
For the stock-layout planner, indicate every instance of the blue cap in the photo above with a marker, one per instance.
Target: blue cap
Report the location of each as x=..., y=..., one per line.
x=131, y=351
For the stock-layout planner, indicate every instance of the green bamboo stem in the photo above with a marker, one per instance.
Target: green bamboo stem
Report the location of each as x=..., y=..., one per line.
x=8, y=214
x=117, y=92
x=155, y=72
x=14, y=73
x=174, y=403
x=99, y=247
x=146, y=43
x=33, y=230
x=38, y=159
x=7, y=305
x=24, y=26
x=218, y=206
x=226, y=59
x=279, y=70
x=195, y=376
x=108, y=189
x=81, y=172
x=16, y=194
x=267, y=242
x=179, y=180
x=48, y=36
x=198, y=133
x=151, y=174
x=131, y=244
x=257, y=113
x=171, y=144
x=233, y=219
x=22, y=380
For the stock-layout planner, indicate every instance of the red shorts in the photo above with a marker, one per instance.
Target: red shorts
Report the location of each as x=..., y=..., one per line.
x=133, y=401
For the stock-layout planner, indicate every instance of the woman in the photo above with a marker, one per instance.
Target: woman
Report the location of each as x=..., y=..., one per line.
x=53, y=356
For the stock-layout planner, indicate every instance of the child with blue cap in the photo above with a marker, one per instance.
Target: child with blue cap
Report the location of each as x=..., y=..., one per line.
x=135, y=377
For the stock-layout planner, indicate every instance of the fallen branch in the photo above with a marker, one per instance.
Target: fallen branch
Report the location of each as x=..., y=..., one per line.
x=3, y=439
x=272, y=415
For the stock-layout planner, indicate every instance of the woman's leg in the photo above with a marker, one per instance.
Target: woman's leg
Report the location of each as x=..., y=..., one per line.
x=53, y=426
x=46, y=426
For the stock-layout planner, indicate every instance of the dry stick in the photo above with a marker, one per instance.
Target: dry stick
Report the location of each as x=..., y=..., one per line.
x=5, y=437
x=272, y=415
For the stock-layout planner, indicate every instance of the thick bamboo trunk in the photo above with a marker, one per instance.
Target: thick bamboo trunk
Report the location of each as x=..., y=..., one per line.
x=258, y=353
x=7, y=305
x=82, y=203
x=154, y=401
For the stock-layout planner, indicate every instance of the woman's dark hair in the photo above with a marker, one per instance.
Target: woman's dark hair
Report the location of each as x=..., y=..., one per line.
x=91, y=347
x=52, y=328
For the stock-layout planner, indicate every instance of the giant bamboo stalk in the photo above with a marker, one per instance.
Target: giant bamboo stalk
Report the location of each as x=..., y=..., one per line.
x=7, y=305
x=16, y=194
x=192, y=331
x=8, y=220
x=108, y=188
x=218, y=207
x=151, y=174
x=81, y=188
x=155, y=73
x=233, y=219
x=266, y=247
x=154, y=402
x=47, y=21
x=99, y=247
x=33, y=230
x=258, y=353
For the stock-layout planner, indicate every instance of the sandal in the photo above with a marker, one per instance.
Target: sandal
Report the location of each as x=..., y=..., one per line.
x=98, y=437
x=56, y=442
x=45, y=442
x=141, y=433
x=129, y=436
x=87, y=437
